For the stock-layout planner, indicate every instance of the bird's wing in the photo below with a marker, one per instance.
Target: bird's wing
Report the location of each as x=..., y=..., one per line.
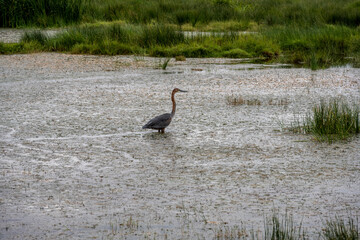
x=159, y=122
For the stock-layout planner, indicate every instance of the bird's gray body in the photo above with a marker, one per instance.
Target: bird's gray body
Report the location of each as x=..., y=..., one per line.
x=159, y=122
x=162, y=121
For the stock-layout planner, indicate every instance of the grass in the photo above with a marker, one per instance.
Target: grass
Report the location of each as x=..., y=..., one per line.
x=330, y=121
x=255, y=101
x=241, y=14
x=341, y=229
x=35, y=36
x=155, y=40
x=314, y=47
x=276, y=227
x=165, y=63
x=314, y=34
x=283, y=229
x=40, y=13
x=226, y=232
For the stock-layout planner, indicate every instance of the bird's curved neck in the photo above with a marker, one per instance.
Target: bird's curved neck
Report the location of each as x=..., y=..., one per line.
x=173, y=104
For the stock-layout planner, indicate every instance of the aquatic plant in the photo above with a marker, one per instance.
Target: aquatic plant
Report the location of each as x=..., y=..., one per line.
x=254, y=100
x=165, y=63
x=43, y=13
x=314, y=47
x=341, y=229
x=284, y=229
x=193, y=12
x=230, y=232
x=159, y=35
x=330, y=121
x=35, y=36
x=180, y=58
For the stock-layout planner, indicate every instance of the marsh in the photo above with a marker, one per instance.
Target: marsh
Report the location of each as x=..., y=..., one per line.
x=75, y=162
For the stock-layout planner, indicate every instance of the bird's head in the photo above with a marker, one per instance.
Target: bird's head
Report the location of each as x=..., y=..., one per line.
x=178, y=90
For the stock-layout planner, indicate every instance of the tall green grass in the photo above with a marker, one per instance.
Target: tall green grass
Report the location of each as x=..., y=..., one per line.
x=341, y=229
x=35, y=36
x=302, y=12
x=284, y=228
x=162, y=11
x=15, y=13
x=295, y=32
x=43, y=13
x=331, y=121
x=316, y=47
x=108, y=40
x=155, y=40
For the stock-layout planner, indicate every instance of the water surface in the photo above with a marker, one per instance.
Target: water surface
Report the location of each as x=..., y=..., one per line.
x=75, y=162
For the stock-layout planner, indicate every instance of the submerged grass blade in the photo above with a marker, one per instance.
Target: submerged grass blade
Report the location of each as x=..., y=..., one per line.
x=165, y=63
x=283, y=229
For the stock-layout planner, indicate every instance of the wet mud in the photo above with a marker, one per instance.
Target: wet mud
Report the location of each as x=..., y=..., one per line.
x=76, y=164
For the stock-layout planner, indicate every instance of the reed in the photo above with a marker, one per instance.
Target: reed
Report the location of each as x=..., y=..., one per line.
x=35, y=36
x=331, y=121
x=165, y=63
x=44, y=13
x=341, y=229
x=316, y=47
x=313, y=47
x=283, y=228
x=159, y=35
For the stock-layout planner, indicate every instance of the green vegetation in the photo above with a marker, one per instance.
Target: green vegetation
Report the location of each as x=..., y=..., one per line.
x=284, y=229
x=341, y=229
x=43, y=13
x=317, y=47
x=254, y=100
x=315, y=34
x=331, y=121
x=17, y=13
x=156, y=40
x=311, y=47
x=165, y=63
x=277, y=227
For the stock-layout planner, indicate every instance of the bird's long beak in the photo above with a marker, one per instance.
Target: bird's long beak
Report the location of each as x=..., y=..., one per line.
x=182, y=90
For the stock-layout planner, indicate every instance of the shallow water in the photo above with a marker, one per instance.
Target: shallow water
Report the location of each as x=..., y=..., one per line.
x=75, y=162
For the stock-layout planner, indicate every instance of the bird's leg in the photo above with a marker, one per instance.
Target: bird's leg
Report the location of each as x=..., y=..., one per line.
x=159, y=131
x=163, y=130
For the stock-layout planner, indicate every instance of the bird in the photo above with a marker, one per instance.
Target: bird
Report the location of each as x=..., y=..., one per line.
x=162, y=121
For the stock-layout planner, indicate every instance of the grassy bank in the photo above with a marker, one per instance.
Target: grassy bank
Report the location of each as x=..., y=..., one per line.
x=155, y=40
x=317, y=47
x=314, y=47
x=17, y=13
x=315, y=34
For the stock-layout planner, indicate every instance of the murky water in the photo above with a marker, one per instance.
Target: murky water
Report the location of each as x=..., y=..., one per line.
x=75, y=162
